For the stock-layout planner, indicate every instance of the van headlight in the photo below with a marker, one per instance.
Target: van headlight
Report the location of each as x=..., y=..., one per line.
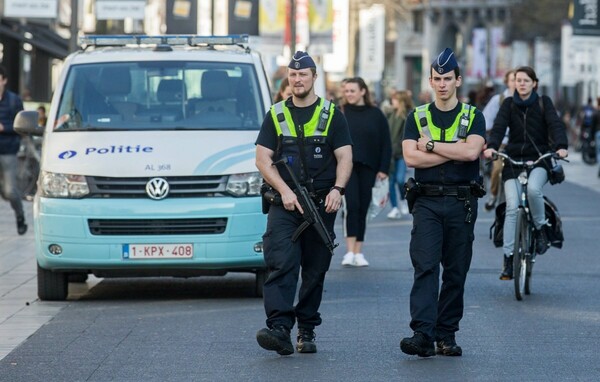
x=54, y=185
x=247, y=184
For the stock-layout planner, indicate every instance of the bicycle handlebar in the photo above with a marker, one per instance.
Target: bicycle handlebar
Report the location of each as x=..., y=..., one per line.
x=527, y=163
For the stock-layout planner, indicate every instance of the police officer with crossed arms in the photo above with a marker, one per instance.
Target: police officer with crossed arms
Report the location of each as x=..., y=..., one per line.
x=442, y=141
x=312, y=136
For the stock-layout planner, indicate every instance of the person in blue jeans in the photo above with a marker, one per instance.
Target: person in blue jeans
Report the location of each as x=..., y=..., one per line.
x=401, y=104
x=534, y=129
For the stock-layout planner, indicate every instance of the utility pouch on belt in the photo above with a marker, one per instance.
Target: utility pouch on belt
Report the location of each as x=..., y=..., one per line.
x=269, y=196
x=477, y=189
x=412, y=189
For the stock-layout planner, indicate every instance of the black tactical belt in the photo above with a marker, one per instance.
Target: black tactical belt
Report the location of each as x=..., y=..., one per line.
x=439, y=190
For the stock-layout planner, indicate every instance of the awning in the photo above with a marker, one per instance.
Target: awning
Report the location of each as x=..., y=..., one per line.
x=43, y=38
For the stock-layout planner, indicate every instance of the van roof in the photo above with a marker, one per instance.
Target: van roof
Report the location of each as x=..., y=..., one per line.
x=110, y=48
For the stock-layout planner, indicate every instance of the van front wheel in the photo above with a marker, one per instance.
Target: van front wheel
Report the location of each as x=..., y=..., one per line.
x=52, y=286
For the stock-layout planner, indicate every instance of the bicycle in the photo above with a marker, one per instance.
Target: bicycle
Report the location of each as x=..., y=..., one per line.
x=524, y=252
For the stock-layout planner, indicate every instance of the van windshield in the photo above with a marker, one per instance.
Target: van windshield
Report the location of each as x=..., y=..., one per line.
x=160, y=96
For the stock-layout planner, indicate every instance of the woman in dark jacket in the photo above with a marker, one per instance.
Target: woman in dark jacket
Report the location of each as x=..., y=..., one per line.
x=535, y=128
x=371, y=155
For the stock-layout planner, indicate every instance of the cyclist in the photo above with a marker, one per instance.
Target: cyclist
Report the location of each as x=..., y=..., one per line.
x=534, y=128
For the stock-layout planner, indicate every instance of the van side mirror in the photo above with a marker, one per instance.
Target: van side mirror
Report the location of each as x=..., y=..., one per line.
x=26, y=123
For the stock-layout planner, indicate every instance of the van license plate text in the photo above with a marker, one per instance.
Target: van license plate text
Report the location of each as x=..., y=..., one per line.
x=158, y=251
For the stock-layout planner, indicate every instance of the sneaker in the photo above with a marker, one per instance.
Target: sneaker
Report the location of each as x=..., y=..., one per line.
x=394, y=214
x=306, y=341
x=276, y=339
x=541, y=241
x=404, y=207
x=21, y=226
x=418, y=344
x=360, y=261
x=348, y=259
x=490, y=204
x=448, y=347
x=507, y=271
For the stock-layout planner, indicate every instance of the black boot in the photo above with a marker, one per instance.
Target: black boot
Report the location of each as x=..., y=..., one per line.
x=541, y=241
x=306, y=341
x=447, y=346
x=507, y=272
x=419, y=344
x=276, y=339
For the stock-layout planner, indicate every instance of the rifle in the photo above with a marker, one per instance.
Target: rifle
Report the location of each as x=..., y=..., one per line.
x=311, y=214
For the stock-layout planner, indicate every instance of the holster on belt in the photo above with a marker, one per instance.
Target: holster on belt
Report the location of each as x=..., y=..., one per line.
x=413, y=189
x=270, y=196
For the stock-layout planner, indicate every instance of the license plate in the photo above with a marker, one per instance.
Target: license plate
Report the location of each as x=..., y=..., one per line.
x=158, y=251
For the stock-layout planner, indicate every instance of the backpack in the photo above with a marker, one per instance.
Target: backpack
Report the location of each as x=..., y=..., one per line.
x=553, y=230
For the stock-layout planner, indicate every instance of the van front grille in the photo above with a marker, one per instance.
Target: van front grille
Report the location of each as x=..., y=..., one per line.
x=204, y=226
x=179, y=186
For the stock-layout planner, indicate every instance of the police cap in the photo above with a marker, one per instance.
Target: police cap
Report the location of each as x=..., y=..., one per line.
x=301, y=60
x=445, y=62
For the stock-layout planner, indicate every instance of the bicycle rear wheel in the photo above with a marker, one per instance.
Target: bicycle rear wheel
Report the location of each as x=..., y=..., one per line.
x=520, y=263
x=528, y=272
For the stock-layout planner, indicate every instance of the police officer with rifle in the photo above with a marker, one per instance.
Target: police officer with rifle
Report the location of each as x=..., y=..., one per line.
x=442, y=141
x=304, y=153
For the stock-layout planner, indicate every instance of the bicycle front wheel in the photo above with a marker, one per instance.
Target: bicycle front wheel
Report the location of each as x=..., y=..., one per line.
x=520, y=263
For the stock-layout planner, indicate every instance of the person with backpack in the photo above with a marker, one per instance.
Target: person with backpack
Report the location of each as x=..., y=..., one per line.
x=10, y=105
x=489, y=112
x=534, y=129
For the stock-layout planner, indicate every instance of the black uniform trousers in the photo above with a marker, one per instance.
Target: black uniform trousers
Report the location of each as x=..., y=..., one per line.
x=440, y=236
x=284, y=259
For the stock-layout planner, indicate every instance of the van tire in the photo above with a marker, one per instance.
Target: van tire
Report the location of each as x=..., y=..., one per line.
x=52, y=286
x=261, y=277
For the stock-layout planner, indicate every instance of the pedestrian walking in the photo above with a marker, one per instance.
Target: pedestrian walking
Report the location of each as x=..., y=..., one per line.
x=401, y=104
x=311, y=135
x=489, y=112
x=10, y=105
x=442, y=141
x=534, y=129
x=371, y=155
x=284, y=92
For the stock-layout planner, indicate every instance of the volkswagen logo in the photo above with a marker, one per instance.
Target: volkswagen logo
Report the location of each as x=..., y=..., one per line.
x=157, y=188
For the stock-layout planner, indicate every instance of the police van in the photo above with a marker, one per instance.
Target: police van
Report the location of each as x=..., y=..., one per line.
x=148, y=161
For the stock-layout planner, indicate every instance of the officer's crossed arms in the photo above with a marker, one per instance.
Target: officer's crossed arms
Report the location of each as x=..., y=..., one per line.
x=464, y=150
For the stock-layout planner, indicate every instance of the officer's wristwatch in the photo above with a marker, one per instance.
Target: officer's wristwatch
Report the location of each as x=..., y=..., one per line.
x=341, y=190
x=429, y=146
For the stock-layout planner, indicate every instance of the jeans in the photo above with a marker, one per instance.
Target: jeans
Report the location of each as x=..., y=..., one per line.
x=10, y=192
x=512, y=191
x=397, y=178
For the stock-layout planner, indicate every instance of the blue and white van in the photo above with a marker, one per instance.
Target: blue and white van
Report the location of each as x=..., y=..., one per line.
x=148, y=165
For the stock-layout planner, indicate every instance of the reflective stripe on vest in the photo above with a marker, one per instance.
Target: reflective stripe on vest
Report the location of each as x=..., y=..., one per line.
x=423, y=119
x=283, y=119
